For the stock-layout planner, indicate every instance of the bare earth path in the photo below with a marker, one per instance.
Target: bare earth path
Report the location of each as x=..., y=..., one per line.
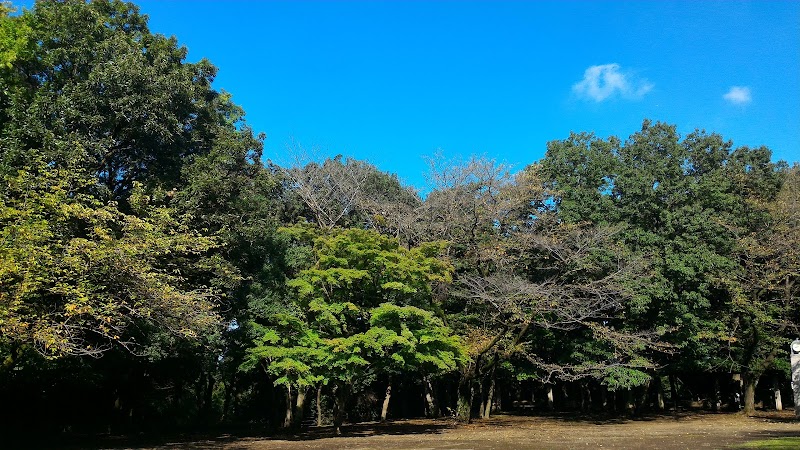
x=691, y=431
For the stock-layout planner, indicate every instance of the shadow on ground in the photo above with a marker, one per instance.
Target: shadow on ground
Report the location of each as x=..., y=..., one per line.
x=202, y=441
x=701, y=428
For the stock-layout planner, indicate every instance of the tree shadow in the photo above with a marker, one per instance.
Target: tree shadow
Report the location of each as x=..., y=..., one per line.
x=364, y=429
x=204, y=441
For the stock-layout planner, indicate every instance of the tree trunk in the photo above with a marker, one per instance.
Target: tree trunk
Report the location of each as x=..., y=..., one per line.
x=590, y=405
x=299, y=406
x=386, y=398
x=487, y=412
x=673, y=387
x=660, y=394
x=642, y=400
x=482, y=397
x=226, y=405
x=464, y=405
x=776, y=391
x=199, y=391
x=630, y=401
x=550, y=401
x=208, y=399
x=287, y=420
x=338, y=407
x=582, y=396
x=319, y=405
x=750, y=382
x=715, y=397
x=431, y=408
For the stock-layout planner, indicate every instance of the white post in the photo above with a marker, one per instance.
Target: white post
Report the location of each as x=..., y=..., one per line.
x=795, y=359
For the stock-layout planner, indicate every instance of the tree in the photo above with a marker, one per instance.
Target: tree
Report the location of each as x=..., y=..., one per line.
x=99, y=90
x=412, y=340
x=330, y=190
x=464, y=206
x=680, y=202
x=86, y=87
x=582, y=169
x=765, y=294
x=79, y=277
x=365, y=296
x=557, y=278
x=294, y=355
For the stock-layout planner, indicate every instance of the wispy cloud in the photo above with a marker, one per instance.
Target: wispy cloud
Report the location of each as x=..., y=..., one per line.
x=738, y=95
x=608, y=80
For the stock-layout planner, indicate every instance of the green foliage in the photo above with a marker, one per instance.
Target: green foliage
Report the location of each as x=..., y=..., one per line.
x=680, y=201
x=353, y=312
x=15, y=42
x=79, y=276
x=414, y=340
x=616, y=378
x=136, y=213
x=99, y=90
x=290, y=352
x=357, y=270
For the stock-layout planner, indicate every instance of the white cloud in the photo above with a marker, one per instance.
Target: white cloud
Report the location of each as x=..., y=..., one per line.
x=738, y=95
x=605, y=81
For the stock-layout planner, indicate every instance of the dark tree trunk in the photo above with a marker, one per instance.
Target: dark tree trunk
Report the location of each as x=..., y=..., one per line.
x=715, y=395
x=673, y=386
x=339, y=404
x=208, y=399
x=465, y=394
x=630, y=400
x=498, y=398
x=641, y=401
x=226, y=405
x=431, y=408
x=199, y=390
x=482, y=405
x=590, y=402
x=750, y=382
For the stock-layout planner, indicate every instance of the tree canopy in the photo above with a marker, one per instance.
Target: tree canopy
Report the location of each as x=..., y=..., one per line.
x=156, y=273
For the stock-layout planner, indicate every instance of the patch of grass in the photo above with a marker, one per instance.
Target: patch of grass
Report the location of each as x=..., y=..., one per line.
x=789, y=443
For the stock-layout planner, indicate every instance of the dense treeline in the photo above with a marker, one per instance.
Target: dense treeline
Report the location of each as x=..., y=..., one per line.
x=156, y=274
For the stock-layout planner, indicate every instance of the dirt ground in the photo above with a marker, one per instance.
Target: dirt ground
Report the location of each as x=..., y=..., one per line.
x=507, y=432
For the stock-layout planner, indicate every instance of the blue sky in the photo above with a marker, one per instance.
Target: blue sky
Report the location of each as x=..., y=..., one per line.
x=392, y=82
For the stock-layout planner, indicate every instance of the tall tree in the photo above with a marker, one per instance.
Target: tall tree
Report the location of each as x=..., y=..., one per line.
x=765, y=309
x=681, y=202
x=100, y=90
x=79, y=276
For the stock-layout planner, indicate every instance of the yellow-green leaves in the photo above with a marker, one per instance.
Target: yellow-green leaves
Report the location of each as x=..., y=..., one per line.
x=14, y=37
x=78, y=274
